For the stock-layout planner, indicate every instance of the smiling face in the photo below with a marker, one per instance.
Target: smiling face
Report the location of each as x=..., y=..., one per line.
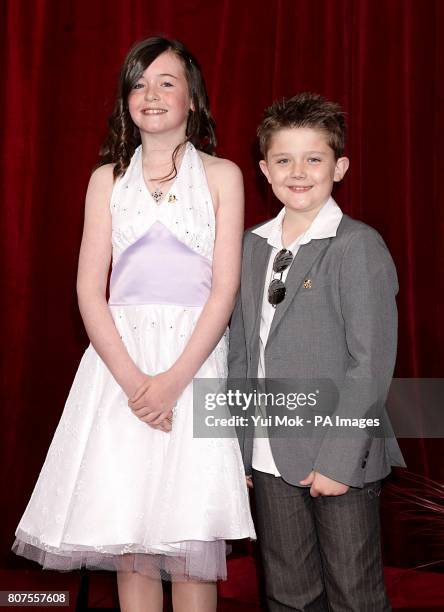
x=160, y=100
x=301, y=168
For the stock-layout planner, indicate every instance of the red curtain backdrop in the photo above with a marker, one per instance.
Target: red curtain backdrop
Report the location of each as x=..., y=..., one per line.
x=382, y=59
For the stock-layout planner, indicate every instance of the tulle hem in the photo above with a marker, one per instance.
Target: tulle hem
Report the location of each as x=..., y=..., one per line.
x=193, y=560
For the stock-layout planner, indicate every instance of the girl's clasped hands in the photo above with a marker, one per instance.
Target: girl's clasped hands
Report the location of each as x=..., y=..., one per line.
x=155, y=399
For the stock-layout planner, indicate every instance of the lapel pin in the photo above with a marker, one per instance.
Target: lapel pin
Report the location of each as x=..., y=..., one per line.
x=308, y=284
x=172, y=198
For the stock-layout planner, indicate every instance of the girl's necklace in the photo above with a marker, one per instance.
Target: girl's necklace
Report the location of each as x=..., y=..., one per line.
x=157, y=194
x=159, y=190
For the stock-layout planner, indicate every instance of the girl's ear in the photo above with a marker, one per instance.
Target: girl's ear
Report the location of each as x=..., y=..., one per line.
x=192, y=107
x=341, y=168
x=263, y=166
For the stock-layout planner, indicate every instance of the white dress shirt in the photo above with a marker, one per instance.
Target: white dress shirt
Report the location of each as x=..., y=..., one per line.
x=324, y=225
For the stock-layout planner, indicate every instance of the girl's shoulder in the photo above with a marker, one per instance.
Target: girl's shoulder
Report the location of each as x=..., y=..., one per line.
x=100, y=187
x=219, y=168
x=102, y=179
x=224, y=180
x=103, y=174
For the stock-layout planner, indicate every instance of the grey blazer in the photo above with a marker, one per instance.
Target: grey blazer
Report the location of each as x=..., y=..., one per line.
x=340, y=326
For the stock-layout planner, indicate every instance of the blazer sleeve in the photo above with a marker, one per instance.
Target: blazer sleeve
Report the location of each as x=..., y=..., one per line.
x=237, y=354
x=238, y=366
x=367, y=286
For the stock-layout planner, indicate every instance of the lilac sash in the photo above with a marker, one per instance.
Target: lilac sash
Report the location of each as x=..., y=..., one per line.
x=160, y=269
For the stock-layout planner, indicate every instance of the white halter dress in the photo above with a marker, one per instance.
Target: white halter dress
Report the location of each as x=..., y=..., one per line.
x=113, y=492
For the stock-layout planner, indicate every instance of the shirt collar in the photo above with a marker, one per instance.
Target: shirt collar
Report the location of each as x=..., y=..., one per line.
x=324, y=225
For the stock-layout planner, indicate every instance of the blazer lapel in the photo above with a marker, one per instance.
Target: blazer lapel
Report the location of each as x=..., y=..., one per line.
x=304, y=260
x=260, y=254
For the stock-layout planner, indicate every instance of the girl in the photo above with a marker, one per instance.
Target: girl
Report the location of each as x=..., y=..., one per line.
x=125, y=485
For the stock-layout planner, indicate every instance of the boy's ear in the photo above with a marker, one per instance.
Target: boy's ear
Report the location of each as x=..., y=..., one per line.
x=263, y=166
x=341, y=168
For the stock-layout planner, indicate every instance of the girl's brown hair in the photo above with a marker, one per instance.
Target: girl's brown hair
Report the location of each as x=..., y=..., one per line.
x=124, y=136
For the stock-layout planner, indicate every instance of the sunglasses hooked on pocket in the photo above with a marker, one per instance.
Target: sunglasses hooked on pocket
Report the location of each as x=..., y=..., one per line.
x=277, y=289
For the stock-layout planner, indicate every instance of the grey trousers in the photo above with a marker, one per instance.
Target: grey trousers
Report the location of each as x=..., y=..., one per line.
x=319, y=554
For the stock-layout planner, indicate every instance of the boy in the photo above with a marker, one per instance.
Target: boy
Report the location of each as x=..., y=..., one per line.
x=317, y=301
